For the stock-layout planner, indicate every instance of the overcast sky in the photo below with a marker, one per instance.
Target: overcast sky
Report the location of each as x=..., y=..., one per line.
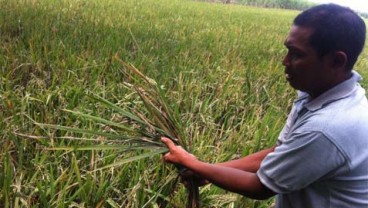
x=359, y=5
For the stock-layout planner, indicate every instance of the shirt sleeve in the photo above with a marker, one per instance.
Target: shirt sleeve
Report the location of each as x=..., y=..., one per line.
x=299, y=161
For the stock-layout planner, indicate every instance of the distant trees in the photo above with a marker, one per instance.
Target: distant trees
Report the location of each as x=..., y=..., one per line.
x=284, y=4
x=363, y=14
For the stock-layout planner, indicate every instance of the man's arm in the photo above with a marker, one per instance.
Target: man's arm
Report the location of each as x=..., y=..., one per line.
x=250, y=163
x=232, y=179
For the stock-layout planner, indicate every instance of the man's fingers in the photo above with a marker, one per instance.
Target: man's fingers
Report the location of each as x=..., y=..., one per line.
x=170, y=144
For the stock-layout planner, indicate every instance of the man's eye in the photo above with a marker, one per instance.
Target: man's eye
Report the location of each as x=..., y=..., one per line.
x=294, y=56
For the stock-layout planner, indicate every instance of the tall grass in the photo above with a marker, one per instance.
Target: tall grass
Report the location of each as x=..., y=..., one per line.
x=219, y=64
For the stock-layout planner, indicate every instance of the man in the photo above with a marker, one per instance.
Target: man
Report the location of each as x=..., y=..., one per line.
x=321, y=157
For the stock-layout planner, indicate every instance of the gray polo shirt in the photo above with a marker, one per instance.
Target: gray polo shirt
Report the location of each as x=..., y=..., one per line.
x=322, y=155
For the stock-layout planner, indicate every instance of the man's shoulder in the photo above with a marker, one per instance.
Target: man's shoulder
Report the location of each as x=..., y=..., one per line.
x=347, y=112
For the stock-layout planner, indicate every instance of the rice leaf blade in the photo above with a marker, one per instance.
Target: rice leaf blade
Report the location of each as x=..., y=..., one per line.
x=134, y=158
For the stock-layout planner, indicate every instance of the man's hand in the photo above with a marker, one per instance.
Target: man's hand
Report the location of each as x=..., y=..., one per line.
x=176, y=153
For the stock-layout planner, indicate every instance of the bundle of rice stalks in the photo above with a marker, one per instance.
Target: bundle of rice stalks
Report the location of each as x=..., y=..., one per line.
x=142, y=130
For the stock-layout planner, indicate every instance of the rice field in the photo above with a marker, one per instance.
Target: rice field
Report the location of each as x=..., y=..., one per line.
x=219, y=67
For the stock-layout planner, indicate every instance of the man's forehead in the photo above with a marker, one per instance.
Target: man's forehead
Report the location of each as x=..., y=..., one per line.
x=298, y=36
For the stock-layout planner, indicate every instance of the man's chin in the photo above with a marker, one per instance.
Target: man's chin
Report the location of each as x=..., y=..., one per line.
x=296, y=86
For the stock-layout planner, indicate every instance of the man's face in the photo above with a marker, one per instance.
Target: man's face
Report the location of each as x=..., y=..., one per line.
x=305, y=70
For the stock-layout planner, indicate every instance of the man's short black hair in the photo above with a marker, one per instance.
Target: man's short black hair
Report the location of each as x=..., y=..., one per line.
x=336, y=28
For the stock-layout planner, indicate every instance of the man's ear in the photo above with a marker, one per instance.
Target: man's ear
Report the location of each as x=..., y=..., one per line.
x=340, y=59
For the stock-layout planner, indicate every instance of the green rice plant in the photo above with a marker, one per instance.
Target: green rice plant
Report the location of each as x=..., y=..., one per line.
x=219, y=66
x=139, y=129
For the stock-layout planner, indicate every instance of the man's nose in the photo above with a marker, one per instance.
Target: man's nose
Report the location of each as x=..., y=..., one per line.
x=286, y=61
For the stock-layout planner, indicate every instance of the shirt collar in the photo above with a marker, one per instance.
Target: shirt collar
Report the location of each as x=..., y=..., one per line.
x=338, y=92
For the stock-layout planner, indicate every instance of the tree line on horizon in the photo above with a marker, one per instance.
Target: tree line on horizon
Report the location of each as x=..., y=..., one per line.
x=282, y=4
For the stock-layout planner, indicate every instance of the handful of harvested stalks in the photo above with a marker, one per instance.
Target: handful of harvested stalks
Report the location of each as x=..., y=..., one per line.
x=142, y=131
